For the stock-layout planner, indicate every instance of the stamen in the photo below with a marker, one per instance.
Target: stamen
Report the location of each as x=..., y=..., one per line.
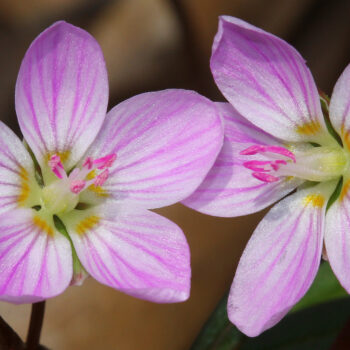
x=280, y=150
x=265, y=177
x=257, y=165
x=275, y=165
x=105, y=162
x=252, y=150
x=77, y=186
x=101, y=178
x=57, y=167
x=88, y=163
x=265, y=149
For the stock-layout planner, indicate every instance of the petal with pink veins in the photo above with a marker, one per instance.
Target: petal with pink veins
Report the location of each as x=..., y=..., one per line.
x=337, y=236
x=17, y=181
x=229, y=189
x=339, y=107
x=35, y=259
x=280, y=261
x=62, y=93
x=165, y=143
x=267, y=81
x=135, y=251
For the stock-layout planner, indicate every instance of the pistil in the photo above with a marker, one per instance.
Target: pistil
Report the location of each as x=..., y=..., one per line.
x=63, y=195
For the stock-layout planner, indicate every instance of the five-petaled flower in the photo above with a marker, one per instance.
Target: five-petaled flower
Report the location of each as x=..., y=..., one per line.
x=277, y=139
x=74, y=198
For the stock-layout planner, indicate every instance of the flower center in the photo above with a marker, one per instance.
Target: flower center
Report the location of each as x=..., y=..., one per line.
x=314, y=164
x=63, y=194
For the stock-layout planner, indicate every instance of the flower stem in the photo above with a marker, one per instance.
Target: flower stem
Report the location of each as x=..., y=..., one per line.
x=35, y=325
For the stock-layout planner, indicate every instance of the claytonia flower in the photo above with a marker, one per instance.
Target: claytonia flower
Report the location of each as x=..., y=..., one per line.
x=277, y=139
x=74, y=198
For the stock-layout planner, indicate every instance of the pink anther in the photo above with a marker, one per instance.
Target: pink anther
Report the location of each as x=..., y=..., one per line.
x=57, y=167
x=257, y=165
x=88, y=163
x=280, y=150
x=276, y=164
x=101, y=178
x=77, y=186
x=265, y=177
x=105, y=162
x=252, y=150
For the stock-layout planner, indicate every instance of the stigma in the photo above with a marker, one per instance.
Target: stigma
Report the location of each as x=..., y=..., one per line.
x=313, y=164
x=62, y=195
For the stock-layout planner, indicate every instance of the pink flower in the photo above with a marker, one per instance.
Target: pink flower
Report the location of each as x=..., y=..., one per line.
x=98, y=175
x=276, y=141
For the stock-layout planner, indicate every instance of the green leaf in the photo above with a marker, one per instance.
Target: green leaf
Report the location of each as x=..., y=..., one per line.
x=219, y=334
x=312, y=328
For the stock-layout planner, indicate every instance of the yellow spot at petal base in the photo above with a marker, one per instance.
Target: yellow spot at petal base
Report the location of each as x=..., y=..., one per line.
x=24, y=186
x=98, y=190
x=64, y=155
x=43, y=225
x=345, y=190
x=345, y=136
x=87, y=224
x=316, y=200
x=310, y=128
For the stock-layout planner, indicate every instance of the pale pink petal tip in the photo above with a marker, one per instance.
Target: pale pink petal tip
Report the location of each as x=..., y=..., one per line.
x=266, y=81
x=279, y=263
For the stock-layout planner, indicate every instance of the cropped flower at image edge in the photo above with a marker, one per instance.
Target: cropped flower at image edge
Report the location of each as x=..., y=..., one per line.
x=74, y=198
x=277, y=140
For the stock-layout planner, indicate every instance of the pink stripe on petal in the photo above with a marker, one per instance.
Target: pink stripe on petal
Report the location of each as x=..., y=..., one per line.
x=165, y=144
x=16, y=171
x=62, y=93
x=339, y=108
x=267, y=81
x=280, y=261
x=337, y=236
x=35, y=264
x=137, y=252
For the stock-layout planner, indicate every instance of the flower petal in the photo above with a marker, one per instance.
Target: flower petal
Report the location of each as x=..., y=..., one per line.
x=165, y=143
x=229, y=189
x=339, y=107
x=62, y=93
x=17, y=182
x=35, y=260
x=337, y=236
x=267, y=81
x=280, y=261
x=135, y=251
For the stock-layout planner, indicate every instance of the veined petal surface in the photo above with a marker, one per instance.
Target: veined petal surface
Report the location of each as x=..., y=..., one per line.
x=267, y=81
x=339, y=107
x=35, y=260
x=229, y=189
x=337, y=236
x=280, y=261
x=165, y=143
x=135, y=251
x=62, y=93
x=17, y=182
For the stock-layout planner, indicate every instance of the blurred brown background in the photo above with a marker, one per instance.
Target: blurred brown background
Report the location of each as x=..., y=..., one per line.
x=153, y=45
